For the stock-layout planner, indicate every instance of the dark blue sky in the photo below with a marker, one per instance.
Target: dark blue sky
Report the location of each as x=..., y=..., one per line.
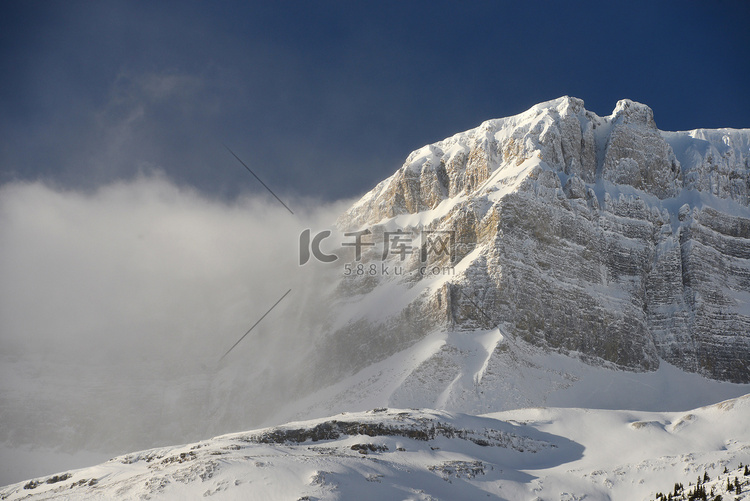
x=325, y=99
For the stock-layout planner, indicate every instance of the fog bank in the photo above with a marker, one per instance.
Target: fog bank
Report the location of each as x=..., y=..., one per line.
x=117, y=305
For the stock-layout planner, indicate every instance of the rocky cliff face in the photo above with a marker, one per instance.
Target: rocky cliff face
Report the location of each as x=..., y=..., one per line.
x=601, y=236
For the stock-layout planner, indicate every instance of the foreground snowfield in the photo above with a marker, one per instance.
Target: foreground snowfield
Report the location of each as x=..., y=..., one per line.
x=535, y=453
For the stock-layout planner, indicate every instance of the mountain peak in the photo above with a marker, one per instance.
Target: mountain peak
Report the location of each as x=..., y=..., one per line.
x=562, y=105
x=625, y=148
x=561, y=211
x=628, y=111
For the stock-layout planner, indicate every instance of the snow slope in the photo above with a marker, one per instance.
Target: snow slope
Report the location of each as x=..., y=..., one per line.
x=537, y=453
x=485, y=371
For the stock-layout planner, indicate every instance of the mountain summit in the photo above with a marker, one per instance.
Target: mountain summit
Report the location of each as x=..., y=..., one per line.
x=600, y=237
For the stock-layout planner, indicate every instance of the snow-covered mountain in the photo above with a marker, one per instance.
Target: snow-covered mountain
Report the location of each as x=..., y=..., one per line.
x=555, y=258
x=600, y=237
x=530, y=453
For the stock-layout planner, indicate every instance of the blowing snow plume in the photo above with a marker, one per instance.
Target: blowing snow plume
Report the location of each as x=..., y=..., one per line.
x=117, y=305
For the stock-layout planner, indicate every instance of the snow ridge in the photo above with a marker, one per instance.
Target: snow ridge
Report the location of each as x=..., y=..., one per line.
x=426, y=454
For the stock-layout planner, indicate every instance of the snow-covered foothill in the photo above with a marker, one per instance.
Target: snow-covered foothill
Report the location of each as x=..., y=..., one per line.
x=535, y=453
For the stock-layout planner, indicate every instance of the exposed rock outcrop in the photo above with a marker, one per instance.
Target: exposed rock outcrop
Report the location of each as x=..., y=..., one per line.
x=597, y=235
